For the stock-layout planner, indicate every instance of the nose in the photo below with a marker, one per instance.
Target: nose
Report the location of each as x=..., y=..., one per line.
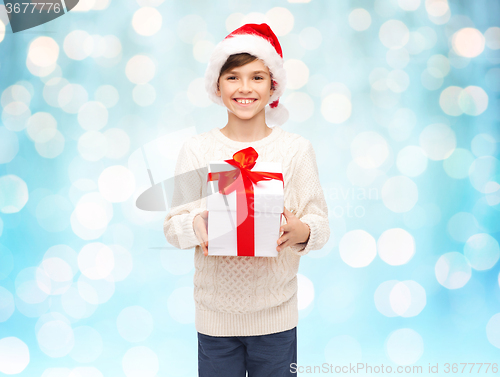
x=245, y=86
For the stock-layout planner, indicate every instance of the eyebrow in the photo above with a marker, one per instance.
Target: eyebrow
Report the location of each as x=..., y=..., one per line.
x=254, y=72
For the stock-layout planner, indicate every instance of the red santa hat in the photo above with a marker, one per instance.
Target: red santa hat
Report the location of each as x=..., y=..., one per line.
x=259, y=41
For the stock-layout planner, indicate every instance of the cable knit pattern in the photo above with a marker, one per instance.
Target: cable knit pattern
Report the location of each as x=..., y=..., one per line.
x=245, y=296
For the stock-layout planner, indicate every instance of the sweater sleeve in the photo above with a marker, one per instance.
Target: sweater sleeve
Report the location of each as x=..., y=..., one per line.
x=187, y=201
x=311, y=204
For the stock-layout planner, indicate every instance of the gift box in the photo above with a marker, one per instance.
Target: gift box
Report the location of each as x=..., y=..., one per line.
x=245, y=204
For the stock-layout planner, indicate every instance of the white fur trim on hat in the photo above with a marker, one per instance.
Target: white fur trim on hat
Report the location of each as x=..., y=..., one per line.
x=276, y=116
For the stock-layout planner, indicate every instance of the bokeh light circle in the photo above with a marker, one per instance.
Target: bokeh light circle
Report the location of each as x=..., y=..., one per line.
x=93, y=211
x=483, y=145
x=92, y=116
x=468, y=42
x=78, y=45
x=107, y=95
x=310, y=38
x=400, y=298
x=492, y=36
x=116, y=184
x=438, y=141
x=462, y=226
x=409, y=5
x=398, y=81
x=180, y=309
x=92, y=146
x=14, y=355
x=458, y=164
x=360, y=19
x=118, y=143
x=300, y=106
x=357, y=248
x=297, y=73
x=2, y=31
x=336, y=108
x=438, y=65
x=452, y=270
x=482, y=171
x=16, y=93
x=74, y=304
x=144, y=94
x=473, y=100
x=55, y=338
x=88, y=345
x=9, y=145
x=123, y=263
x=140, y=361
x=59, y=275
x=411, y=161
x=96, y=260
x=13, y=193
x=394, y=34
x=449, y=101
x=52, y=213
x=493, y=330
x=140, y=69
x=397, y=58
x=15, y=116
x=51, y=148
x=147, y=21
x=177, y=263
x=41, y=127
x=96, y=291
x=396, y=246
x=71, y=97
x=482, y=251
x=369, y=149
x=399, y=194
x=404, y=346
x=43, y=52
x=281, y=20
x=305, y=292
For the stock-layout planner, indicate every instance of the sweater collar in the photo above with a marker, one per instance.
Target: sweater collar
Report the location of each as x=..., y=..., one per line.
x=276, y=132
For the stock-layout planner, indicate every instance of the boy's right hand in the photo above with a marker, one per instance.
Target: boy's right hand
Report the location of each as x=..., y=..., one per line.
x=200, y=226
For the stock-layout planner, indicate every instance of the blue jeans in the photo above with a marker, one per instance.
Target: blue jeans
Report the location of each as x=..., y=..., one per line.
x=262, y=356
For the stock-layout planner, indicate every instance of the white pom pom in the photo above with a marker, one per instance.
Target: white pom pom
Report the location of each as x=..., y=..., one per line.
x=276, y=116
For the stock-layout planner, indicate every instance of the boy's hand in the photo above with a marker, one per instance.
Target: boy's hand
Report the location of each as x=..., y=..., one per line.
x=200, y=226
x=295, y=231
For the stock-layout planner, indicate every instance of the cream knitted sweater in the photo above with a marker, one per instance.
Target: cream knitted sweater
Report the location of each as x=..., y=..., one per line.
x=243, y=296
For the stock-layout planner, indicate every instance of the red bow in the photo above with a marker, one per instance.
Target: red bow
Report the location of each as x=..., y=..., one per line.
x=244, y=160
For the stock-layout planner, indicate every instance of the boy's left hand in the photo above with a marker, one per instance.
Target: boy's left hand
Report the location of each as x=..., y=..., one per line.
x=295, y=231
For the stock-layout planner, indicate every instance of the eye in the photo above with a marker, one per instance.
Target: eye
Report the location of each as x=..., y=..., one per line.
x=259, y=77
x=231, y=77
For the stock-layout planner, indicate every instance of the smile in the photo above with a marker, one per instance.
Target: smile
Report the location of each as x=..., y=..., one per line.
x=244, y=102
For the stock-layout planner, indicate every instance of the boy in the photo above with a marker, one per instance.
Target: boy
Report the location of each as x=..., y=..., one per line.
x=246, y=307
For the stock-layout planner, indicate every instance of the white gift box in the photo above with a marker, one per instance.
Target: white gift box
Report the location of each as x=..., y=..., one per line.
x=222, y=212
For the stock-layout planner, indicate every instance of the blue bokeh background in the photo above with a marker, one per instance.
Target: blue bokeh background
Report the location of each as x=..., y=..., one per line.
x=400, y=99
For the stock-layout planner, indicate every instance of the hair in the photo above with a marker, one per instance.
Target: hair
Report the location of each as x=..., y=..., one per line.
x=238, y=60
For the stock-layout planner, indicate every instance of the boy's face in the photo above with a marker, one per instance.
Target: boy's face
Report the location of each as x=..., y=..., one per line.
x=251, y=81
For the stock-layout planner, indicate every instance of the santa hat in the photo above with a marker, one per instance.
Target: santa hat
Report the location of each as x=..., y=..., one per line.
x=259, y=41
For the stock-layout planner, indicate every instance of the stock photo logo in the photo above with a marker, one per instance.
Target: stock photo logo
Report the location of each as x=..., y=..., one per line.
x=25, y=15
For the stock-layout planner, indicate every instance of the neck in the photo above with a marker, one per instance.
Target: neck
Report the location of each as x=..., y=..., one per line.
x=246, y=130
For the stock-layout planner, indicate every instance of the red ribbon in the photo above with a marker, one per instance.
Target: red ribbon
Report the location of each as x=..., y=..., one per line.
x=229, y=181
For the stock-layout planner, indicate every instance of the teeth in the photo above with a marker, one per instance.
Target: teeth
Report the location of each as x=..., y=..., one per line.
x=245, y=100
